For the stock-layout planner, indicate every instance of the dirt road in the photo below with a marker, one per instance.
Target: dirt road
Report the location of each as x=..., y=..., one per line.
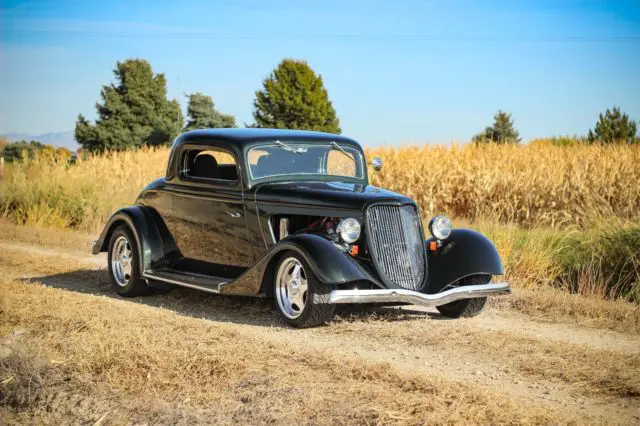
x=592, y=374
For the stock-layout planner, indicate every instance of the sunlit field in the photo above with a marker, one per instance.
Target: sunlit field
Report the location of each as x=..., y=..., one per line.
x=529, y=186
x=563, y=348
x=562, y=216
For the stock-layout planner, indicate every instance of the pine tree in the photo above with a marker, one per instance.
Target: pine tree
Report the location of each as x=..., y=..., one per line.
x=203, y=115
x=294, y=97
x=502, y=131
x=134, y=111
x=614, y=126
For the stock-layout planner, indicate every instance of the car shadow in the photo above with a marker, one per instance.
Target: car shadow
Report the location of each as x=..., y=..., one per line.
x=233, y=309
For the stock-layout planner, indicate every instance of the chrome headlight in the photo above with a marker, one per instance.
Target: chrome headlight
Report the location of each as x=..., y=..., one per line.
x=440, y=227
x=349, y=230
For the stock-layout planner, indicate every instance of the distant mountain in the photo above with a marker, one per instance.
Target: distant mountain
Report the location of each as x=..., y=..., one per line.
x=61, y=139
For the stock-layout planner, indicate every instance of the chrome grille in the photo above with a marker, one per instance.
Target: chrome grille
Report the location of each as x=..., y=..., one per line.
x=396, y=244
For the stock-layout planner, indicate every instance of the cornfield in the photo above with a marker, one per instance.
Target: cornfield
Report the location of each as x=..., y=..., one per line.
x=561, y=216
x=537, y=185
x=526, y=185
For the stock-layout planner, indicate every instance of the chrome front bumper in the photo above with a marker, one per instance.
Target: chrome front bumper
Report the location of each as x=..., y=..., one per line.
x=416, y=298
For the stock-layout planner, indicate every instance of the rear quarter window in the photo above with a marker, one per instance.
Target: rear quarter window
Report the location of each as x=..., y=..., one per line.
x=212, y=164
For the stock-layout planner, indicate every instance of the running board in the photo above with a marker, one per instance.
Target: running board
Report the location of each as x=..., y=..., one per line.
x=183, y=279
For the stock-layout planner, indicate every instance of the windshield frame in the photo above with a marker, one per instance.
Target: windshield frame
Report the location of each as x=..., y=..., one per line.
x=287, y=177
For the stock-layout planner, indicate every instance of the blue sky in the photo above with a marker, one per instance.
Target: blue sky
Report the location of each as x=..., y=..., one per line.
x=396, y=71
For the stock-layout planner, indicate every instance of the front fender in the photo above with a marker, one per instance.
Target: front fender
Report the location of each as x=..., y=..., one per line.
x=329, y=264
x=464, y=253
x=142, y=223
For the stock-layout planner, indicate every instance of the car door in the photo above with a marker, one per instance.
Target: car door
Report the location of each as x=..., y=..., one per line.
x=209, y=220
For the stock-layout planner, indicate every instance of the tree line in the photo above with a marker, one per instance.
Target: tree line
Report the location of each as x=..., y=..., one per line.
x=134, y=111
x=613, y=126
x=13, y=151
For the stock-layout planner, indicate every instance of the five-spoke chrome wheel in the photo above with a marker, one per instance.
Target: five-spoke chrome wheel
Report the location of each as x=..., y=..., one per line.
x=124, y=266
x=121, y=258
x=292, y=289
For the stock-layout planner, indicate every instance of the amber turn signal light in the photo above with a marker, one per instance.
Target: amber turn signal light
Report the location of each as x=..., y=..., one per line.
x=433, y=245
x=354, y=250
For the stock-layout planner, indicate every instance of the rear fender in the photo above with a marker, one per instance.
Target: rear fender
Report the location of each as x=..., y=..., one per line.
x=463, y=254
x=142, y=222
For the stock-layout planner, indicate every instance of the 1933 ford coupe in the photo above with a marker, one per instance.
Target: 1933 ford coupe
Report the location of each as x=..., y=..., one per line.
x=291, y=215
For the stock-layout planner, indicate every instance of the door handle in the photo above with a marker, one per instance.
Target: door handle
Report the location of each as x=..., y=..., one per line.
x=233, y=214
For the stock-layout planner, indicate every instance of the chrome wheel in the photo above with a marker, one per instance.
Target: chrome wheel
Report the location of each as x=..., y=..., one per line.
x=121, y=266
x=291, y=288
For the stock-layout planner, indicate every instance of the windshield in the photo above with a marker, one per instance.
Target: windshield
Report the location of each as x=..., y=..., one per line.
x=299, y=158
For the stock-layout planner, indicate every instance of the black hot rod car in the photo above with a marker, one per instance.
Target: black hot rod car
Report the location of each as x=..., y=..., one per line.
x=291, y=215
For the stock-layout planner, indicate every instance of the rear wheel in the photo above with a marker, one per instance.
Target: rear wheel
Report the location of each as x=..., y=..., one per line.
x=466, y=308
x=124, y=263
x=302, y=300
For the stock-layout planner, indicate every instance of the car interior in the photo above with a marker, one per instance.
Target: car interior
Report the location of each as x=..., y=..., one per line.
x=221, y=165
x=211, y=165
x=278, y=162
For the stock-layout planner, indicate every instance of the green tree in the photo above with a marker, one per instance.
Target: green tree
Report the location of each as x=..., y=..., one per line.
x=614, y=126
x=502, y=130
x=22, y=149
x=294, y=97
x=202, y=114
x=134, y=111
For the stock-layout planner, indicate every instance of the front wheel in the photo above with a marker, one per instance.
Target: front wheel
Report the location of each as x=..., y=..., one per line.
x=302, y=300
x=466, y=308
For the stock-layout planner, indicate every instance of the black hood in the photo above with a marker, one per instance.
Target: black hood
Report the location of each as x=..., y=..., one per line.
x=329, y=195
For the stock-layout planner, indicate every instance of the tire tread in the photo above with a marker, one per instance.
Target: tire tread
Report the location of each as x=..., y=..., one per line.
x=137, y=286
x=319, y=309
x=466, y=308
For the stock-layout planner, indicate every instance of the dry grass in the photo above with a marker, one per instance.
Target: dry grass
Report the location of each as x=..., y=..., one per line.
x=552, y=305
x=78, y=358
x=71, y=357
x=594, y=372
x=601, y=262
x=546, y=204
x=534, y=297
x=46, y=237
x=528, y=185
x=82, y=195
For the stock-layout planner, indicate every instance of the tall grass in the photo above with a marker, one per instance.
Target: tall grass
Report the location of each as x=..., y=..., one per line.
x=527, y=185
x=602, y=261
x=534, y=185
x=80, y=195
x=561, y=215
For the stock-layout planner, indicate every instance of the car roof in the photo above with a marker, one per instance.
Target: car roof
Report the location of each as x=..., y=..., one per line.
x=243, y=137
x=242, y=140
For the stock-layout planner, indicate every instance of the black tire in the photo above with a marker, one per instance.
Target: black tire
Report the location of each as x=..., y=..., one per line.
x=127, y=282
x=466, y=308
x=317, y=309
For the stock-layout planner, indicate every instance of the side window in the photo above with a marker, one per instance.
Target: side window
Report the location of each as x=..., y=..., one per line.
x=210, y=164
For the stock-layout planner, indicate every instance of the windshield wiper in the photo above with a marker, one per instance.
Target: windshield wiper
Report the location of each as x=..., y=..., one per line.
x=290, y=148
x=334, y=145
